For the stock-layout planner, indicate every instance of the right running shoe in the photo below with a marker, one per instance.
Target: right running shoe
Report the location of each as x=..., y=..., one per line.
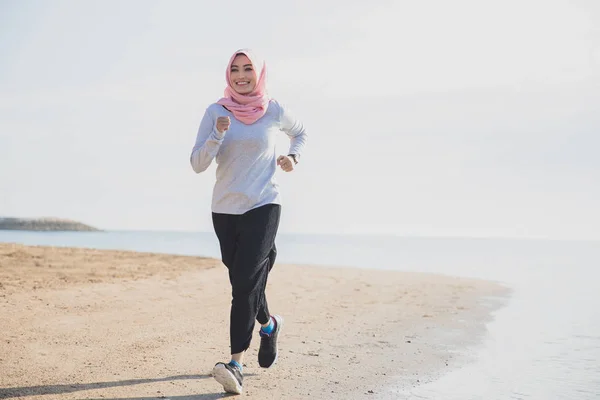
x=229, y=376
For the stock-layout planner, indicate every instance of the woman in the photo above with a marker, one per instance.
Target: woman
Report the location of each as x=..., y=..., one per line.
x=239, y=132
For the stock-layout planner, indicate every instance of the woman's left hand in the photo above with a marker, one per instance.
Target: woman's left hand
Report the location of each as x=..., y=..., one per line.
x=286, y=163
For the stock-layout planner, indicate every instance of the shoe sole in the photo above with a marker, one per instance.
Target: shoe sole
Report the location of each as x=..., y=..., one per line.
x=280, y=327
x=226, y=378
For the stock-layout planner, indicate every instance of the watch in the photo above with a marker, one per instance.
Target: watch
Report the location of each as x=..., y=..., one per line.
x=294, y=157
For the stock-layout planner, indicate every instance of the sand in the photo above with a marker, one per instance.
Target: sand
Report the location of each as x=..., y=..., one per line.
x=98, y=324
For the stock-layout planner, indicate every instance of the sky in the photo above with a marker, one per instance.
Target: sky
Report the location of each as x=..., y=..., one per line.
x=428, y=118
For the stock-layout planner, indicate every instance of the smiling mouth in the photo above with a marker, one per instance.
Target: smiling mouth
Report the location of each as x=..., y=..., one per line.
x=242, y=83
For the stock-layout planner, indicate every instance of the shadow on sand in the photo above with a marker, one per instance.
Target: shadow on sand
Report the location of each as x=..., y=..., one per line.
x=207, y=396
x=15, y=392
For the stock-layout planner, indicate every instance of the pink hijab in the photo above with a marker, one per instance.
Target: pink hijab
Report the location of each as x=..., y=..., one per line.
x=251, y=107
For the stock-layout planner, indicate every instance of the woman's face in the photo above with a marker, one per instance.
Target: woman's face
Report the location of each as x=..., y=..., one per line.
x=242, y=76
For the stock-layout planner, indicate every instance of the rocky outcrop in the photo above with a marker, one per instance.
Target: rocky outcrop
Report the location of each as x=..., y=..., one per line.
x=43, y=224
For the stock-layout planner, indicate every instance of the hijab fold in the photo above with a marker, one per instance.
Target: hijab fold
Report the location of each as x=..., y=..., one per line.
x=247, y=108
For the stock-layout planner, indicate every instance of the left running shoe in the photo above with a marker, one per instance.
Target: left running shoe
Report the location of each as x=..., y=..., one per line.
x=267, y=353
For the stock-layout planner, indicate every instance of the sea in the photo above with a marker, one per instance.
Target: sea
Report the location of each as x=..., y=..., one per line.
x=542, y=344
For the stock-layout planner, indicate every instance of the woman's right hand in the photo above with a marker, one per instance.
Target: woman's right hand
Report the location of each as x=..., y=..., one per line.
x=223, y=124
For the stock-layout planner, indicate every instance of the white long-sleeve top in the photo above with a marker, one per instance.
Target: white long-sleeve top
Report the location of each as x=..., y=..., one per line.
x=245, y=156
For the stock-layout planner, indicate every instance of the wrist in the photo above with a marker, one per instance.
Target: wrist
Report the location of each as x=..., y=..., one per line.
x=294, y=158
x=219, y=134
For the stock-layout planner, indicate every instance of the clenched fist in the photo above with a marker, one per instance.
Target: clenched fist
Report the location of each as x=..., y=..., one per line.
x=286, y=163
x=223, y=124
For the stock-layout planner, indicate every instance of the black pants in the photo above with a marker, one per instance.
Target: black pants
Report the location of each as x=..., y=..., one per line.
x=248, y=251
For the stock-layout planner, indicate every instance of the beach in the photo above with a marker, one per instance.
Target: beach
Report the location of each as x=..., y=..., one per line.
x=105, y=324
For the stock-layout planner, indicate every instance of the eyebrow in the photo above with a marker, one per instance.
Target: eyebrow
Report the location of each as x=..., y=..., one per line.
x=245, y=65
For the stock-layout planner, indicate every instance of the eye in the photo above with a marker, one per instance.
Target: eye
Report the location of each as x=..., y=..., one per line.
x=248, y=69
x=234, y=70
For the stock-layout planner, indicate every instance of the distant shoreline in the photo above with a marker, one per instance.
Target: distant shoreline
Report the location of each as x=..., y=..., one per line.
x=44, y=224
